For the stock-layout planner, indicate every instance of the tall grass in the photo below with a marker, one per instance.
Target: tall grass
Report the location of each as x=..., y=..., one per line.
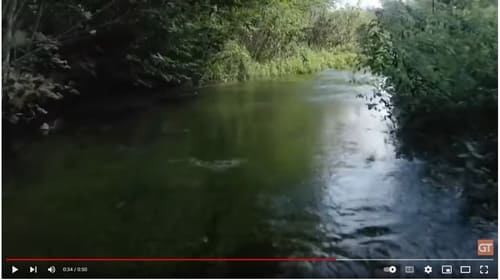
x=234, y=63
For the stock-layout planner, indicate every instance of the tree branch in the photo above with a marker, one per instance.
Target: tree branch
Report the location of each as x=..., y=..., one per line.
x=38, y=19
x=71, y=29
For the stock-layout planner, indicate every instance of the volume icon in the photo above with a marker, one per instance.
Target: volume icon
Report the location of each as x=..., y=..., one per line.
x=52, y=269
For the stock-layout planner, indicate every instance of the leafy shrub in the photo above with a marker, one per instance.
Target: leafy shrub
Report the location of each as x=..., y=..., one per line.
x=440, y=65
x=105, y=45
x=232, y=63
x=26, y=93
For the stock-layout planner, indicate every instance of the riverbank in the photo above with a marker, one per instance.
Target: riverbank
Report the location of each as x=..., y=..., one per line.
x=146, y=45
x=232, y=65
x=235, y=64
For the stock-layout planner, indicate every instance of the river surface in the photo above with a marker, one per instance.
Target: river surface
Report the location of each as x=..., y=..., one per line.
x=290, y=168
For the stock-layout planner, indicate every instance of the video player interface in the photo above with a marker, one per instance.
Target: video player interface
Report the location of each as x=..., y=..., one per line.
x=250, y=139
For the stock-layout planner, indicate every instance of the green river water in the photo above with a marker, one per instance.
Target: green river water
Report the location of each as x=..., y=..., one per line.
x=288, y=168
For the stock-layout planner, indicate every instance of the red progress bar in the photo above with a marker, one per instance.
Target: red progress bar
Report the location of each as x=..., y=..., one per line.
x=170, y=259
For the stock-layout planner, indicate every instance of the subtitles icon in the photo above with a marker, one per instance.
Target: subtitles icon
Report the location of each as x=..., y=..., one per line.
x=409, y=269
x=485, y=248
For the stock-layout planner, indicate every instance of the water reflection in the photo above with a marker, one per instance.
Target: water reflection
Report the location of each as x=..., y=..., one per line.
x=368, y=204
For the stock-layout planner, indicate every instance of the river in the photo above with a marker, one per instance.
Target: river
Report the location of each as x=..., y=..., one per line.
x=288, y=168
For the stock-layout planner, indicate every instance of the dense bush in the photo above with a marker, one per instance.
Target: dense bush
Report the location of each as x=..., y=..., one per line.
x=441, y=63
x=338, y=28
x=439, y=59
x=52, y=47
x=275, y=38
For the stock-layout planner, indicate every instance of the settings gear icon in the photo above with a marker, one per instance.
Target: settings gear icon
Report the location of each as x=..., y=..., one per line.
x=428, y=269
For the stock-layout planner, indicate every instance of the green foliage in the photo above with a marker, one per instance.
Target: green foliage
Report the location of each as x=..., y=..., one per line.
x=273, y=29
x=32, y=72
x=439, y=64
x=97, y=45
x=338, y=28
x=175, y=41
x=304, y=61
x=277, y=38
x=26, y=93
x=234, y=63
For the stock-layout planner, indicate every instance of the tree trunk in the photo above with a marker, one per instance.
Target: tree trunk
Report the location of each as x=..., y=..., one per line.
x=10, y=13
x=38, y=19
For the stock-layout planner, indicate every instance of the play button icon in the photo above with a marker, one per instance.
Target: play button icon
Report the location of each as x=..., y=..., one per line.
x=14, y=269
